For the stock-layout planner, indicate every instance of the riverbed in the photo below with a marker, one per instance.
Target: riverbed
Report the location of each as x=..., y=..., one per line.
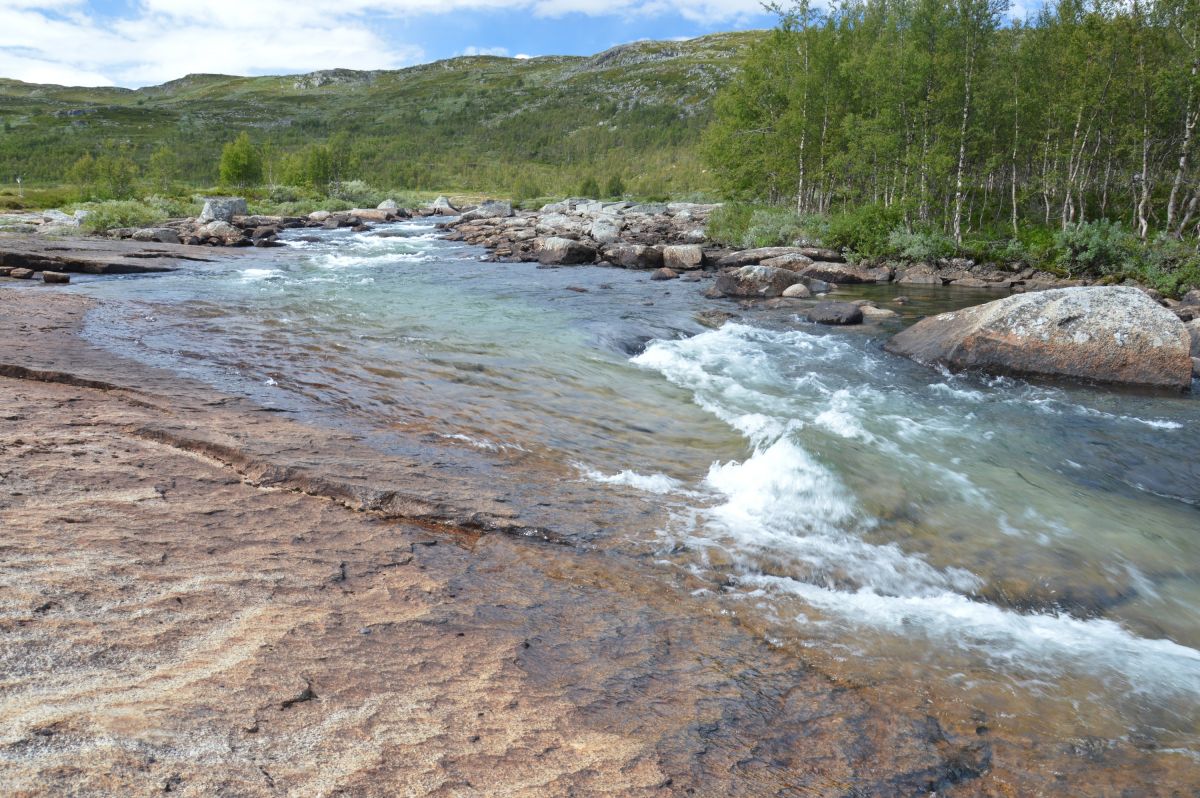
x=1029, y=551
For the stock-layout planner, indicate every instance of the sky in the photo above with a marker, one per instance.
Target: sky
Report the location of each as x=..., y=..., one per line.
x=136, y=43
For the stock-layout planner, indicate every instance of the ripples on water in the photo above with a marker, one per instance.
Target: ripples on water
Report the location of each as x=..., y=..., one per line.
x=1036, y=547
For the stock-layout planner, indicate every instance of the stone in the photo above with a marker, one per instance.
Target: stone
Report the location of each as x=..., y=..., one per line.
x=442, y=207
x=756, y=281
x=564, y=252
x=633, y=256
x=842, y=273
x=683, y=257
x=21, y=274
x=793, y=261
x=919, y=275
x=878, y=314
x=1103, y=334
x=664, y=274
x=748, y=257
x=56, y=278
x=713, y=318
x=163, y=235
x=319, y=216
x=222, y=209
x=492, y=209
x=797, y=291
x=222, y=231
x=1191, y=297
x=835, y=313
x=606, y=229
x=387, y=205
x=1193, y=328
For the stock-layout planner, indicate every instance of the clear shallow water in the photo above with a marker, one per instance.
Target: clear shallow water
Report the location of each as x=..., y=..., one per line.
x=1033, y=549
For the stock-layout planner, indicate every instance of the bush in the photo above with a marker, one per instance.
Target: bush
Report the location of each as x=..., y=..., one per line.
x=589, y=188
x=923, y=246
x=120, y=213
x=1169, y=265
x=357, y=193
x=526, y=189
x=728, y=223
x=865, y=230
x=747, y=226
x=1095, y=248
x=615, y=187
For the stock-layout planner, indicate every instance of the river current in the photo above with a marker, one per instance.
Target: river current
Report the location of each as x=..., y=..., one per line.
x=1030, y=549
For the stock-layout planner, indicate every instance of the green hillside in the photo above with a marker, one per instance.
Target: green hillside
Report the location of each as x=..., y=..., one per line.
x=482, y=123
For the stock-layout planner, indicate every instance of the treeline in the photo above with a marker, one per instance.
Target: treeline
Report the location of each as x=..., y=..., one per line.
x=958, y=121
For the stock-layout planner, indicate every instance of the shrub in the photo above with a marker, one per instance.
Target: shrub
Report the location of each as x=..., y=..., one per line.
x=1169, y=265
x=120, y=213
x=615, y=187
x=1096, y=248
x=589, y=188
x=526, y=189
x=865, y=230
x=924, y=246
x=772, y=227
x=357, y=193
x=728, y=223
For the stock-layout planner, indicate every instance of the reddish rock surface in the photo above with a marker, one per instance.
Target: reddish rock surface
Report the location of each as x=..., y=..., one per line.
x=200, y=598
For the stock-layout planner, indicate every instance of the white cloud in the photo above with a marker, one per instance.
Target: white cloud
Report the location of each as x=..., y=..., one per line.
x=499, y=51
x=60, y=41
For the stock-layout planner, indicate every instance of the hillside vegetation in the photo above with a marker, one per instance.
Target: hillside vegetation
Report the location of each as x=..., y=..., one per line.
x=542, y=125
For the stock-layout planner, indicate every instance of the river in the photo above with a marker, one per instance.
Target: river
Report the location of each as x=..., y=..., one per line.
x=1029, y=550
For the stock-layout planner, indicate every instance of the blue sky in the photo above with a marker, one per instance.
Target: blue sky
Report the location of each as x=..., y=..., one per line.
x=143, y=42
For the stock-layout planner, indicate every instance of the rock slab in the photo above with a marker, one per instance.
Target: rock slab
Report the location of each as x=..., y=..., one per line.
x=1108, y=334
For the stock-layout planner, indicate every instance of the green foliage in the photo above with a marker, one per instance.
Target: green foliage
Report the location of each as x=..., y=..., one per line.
x=1169, y=265
x=865, y=230
x=728, y=223
x=589, y=187
x=109, y=176
x=106, y=215
x=1095, y=248
x=241, y=163
x=920, y=246
x=526, y=189
x=615, y=187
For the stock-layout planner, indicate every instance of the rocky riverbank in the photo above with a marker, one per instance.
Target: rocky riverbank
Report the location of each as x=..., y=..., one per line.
x=671, y=240
x=234, y=602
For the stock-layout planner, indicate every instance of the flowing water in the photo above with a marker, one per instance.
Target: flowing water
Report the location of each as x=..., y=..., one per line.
x=1031, y=550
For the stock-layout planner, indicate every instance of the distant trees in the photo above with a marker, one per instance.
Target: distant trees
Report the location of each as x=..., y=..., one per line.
x=962, y=123
x=241, y=163
x=107, y=176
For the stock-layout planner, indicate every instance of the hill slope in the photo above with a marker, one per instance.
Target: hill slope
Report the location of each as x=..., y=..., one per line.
x=480, y=122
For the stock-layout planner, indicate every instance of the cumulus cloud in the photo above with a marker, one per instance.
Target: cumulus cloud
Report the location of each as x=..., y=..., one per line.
x=70, y=42
x=500, y=51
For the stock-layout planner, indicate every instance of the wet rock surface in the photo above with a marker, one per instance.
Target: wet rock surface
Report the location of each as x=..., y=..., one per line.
x=1103, y=334
x=229, y=606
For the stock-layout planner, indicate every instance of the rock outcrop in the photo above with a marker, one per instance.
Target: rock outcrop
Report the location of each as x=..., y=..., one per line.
x=564, y=252
x=756, y=281
x=835, y=313
x=1110, y=334
x=222, y=209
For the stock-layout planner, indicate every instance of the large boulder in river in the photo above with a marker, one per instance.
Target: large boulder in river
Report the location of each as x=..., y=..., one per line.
x=564, y=252
x=1111, y=334
x=222, y=209
x=633, y=256
x=748, y=257
x=492, y=209
x=836, y=313
x=683, y=257
x=756, y=280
